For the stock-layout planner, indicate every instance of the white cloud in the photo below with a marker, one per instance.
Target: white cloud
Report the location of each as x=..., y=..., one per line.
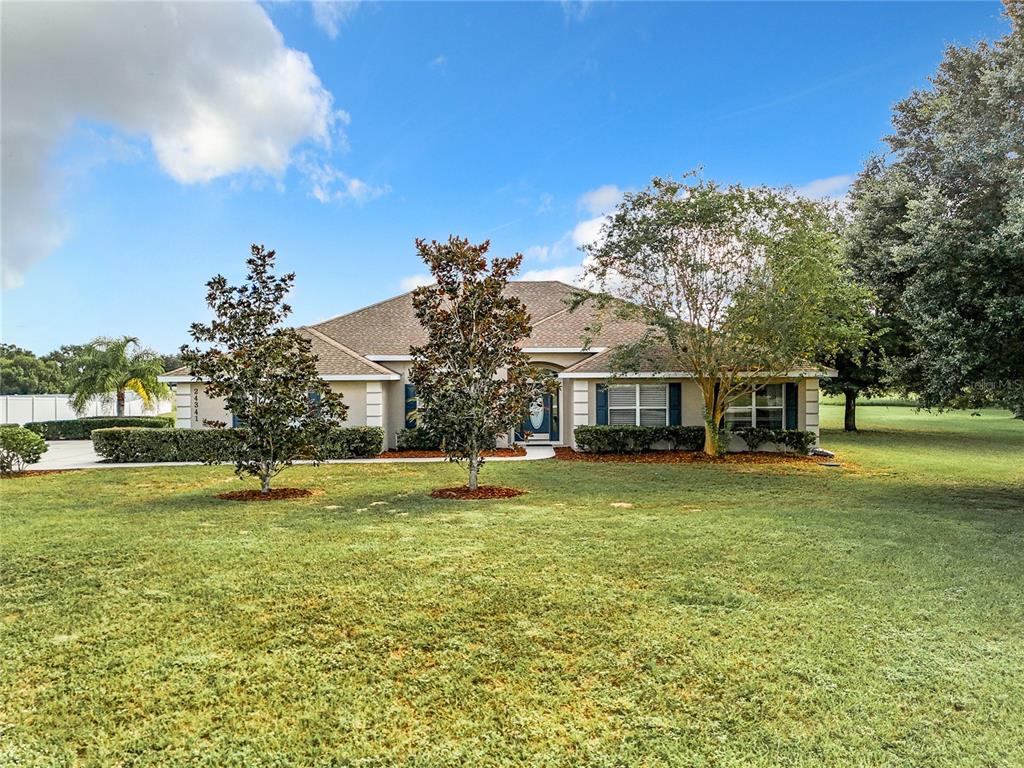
x=569, y=274
x=537, y=253
x=546, y=201
x=331, y=15
x=575, y=10
x=601, y=200
x=439, y=61
x=587, y=232
x=212, y=86
x=832, y=187
x=329, y=184
x=415, y=281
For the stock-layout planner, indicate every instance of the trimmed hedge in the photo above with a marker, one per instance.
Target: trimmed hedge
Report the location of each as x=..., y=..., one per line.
x=121, y=445
x=627, y=438
x=80, y=429
x=19, y=447
x=796, y=440
x=422, y=439
x=418, y=439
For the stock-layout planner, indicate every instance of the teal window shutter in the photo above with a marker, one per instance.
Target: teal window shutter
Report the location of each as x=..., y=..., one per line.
x=235, y=422
x=675, y=404
x=602, y=403
x=792, y=400
x=410, y=406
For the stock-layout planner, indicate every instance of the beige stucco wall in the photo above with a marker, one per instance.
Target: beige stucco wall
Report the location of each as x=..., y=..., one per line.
x=201, y=407
x=692, y=402
x=353, y=394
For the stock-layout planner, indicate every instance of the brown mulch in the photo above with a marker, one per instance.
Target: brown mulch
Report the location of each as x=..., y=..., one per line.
x=275, y=494
x=685, y=457
x=499, y=453
x=482, y=492
x=35, y=473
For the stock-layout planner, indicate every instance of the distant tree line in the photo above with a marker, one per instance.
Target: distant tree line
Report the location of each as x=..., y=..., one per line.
x=103, y=369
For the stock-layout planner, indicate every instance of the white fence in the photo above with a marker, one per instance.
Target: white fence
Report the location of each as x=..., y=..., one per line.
x=18, y=409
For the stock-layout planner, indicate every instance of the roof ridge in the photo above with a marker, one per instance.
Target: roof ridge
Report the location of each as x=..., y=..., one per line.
x=361, y=309
x=590, y=359
x=347, y=350
x=548, y=317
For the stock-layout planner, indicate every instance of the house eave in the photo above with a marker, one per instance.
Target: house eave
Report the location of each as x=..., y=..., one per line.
x=329, y=377
x=824, y=373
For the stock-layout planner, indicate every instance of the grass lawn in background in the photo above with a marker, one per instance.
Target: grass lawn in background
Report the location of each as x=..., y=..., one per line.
x=690, y=614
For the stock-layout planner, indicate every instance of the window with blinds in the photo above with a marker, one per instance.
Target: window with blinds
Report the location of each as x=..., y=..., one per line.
x=645, y=405
x=762, y=408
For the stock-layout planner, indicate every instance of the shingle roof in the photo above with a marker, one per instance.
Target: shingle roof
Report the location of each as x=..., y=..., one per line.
x=336, y=359
x=333, y=358
x=390, y=327
x=661, y=359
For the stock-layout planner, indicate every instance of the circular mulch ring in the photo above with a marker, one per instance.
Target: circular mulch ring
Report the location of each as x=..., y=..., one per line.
x=275, y=494
x=482, y=492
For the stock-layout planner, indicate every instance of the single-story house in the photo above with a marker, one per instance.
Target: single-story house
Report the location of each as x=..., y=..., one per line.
x=365, y=356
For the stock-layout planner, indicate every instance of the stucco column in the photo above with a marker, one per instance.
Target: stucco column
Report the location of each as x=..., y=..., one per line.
x=183, y=406
x=374, y=404
x=811, y=406
x=580, y=406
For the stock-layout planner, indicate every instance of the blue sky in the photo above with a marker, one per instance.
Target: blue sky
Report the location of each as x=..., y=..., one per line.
x=520, y=123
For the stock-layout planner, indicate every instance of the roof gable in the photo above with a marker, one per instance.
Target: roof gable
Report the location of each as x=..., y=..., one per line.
x=390, y=327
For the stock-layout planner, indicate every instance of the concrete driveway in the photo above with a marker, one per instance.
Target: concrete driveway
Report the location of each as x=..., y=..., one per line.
x=79, y=454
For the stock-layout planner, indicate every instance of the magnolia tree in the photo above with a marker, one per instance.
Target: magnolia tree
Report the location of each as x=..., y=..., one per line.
x=265, y=372
x=473, y=382
x=736, y=285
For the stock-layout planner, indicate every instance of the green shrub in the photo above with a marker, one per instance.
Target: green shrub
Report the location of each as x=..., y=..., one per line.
x=682, y=438
x=353, y=443
x=626, y=438
x=80, y=429
x=755, y=437
x=418, y=439
x=18, y=447
x=796, y=440
x=127, y=444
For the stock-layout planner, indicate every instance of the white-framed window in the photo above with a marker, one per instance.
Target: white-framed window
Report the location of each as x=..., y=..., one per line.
x=764, y=407
x=645, y=405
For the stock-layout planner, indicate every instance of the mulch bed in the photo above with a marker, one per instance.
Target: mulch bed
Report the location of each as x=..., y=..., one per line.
x=275, y=494
x=499, y=453
x=35, y=473
x=482, y=492
x=685, y=457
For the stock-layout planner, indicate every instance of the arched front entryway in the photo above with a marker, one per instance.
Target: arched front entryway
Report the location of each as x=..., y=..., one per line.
x=543, y=421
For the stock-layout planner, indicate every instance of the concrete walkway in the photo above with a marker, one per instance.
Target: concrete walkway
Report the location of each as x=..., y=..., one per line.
x=79, y=454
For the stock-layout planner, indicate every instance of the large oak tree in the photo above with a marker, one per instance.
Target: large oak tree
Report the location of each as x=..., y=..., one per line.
x=737, y=285
x=938, y=228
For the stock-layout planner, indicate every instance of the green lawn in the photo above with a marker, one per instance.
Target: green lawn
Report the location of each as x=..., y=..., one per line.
x=734, y=615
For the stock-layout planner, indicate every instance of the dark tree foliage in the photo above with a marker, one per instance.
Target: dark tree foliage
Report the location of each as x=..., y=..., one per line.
x=70, y=361
x=265, y=372
x=22, y=373
x=473, y=382
x=938, y=230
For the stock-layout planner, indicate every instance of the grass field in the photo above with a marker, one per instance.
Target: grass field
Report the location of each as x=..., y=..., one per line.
x=734, y=615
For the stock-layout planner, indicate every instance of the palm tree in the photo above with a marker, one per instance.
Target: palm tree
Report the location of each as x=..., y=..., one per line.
x=113, y=366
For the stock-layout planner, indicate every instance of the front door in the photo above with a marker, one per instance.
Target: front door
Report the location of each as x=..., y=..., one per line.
x=539, y=423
